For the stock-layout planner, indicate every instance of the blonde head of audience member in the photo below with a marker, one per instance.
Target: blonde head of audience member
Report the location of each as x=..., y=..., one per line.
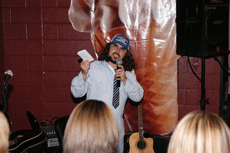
x=91, y=128
x=200, y=132
x=4, y=134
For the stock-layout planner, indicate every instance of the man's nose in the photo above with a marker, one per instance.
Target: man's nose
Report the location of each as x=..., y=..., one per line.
x=118, y=50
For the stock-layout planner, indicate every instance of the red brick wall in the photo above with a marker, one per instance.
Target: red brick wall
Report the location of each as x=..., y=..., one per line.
x=189, y=87
x=40, y=47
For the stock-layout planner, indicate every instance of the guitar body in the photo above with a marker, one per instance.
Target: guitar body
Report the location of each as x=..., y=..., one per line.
x=137, y=142
x=136, y=147
x=30, y=141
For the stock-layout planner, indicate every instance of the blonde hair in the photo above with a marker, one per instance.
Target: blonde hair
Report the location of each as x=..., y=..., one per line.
x=200, y=132
x=4, y=134
x=91, y=128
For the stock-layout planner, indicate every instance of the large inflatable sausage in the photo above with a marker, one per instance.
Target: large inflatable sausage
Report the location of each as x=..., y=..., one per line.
x=150, y=26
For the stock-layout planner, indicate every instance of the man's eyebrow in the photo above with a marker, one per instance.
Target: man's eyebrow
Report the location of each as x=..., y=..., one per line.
x=122, y=47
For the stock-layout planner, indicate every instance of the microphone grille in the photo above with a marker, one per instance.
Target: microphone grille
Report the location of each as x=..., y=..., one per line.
x=119, y=62
x=9, y=72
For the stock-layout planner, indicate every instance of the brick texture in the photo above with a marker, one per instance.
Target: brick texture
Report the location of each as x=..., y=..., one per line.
x=189, y=87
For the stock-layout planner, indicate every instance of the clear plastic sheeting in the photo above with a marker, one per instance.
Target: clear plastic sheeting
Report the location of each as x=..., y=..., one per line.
x=150, y=26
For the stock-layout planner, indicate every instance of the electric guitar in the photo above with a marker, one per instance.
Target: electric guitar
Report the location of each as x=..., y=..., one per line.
x=137, y=142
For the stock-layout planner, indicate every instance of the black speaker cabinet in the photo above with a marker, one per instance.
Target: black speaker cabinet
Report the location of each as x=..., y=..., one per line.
x=202, y=27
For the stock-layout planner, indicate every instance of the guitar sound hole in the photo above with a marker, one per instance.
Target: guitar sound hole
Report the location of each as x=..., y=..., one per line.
x=141, y=144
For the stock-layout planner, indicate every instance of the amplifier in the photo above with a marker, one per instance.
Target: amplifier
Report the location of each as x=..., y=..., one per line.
x=48, y=129
x=52, y=140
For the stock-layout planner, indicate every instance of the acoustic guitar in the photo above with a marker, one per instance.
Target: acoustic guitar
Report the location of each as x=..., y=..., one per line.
x=137, y=142
x=29, y=141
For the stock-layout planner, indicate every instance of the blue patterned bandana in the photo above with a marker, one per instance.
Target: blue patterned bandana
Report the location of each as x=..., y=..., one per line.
x=122, y=40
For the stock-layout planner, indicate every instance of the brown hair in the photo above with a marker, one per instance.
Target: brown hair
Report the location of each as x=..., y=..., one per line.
x=91, y=128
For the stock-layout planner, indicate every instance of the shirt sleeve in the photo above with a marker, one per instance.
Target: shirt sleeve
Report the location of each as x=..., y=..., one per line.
x=79, y=86
x=133, y=89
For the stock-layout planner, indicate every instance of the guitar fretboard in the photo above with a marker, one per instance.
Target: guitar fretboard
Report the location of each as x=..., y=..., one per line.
x=140, y=122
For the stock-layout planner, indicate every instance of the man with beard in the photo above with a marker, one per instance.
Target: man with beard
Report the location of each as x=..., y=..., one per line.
x=96, y=79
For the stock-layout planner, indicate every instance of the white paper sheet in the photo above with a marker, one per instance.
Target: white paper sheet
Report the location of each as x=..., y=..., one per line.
x=85, y=55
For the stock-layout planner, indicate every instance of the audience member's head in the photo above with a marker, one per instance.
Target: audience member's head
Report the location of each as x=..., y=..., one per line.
x=91, y=128
x=4, y=134
x=200, y=132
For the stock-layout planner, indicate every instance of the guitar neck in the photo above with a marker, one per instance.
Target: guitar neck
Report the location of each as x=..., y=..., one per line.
x=140, y=122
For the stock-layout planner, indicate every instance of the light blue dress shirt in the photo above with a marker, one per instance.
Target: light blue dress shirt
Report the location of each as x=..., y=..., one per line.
x=98, y=85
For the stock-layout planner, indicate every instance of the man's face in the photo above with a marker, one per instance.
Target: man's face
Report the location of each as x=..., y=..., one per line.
x=117, y=51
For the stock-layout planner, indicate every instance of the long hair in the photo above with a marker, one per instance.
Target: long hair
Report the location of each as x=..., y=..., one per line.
x=91, y=128
x=4, y=134
x=200, y=132
x=128, y=61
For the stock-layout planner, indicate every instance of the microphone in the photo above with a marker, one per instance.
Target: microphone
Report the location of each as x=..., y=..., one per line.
x=118, y=62
x=8, y=75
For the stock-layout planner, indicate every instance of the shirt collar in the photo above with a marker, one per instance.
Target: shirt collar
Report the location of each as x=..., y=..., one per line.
x=110, y=67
